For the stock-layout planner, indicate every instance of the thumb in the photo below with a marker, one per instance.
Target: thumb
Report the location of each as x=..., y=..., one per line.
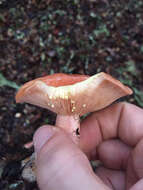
x=61, y=164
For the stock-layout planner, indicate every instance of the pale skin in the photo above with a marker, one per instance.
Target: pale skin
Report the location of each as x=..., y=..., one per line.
x=113, y=135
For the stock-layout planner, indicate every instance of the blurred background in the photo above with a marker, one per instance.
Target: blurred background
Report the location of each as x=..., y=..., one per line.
x=40, y=37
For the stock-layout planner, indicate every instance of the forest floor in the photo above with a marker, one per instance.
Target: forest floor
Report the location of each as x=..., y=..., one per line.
x=40, y=37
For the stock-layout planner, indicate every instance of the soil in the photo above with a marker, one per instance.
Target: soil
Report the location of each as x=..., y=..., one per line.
x=72, y=36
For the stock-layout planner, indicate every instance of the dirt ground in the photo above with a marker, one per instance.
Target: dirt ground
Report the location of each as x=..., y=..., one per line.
x=40, y=37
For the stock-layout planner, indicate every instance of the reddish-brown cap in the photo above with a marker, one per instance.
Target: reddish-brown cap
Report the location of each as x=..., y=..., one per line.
x=72, y=94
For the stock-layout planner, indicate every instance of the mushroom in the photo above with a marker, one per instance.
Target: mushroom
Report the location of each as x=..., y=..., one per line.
x=71, y=96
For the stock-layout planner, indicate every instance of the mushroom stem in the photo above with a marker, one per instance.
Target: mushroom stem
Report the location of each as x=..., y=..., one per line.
x=70, y=124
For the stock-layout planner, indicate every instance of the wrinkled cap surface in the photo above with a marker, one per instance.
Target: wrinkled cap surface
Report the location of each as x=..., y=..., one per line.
x=72, y=94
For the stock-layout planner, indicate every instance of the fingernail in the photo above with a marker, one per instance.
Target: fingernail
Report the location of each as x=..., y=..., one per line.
x=42, y=135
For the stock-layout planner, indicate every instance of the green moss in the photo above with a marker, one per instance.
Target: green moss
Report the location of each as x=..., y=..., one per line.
x=5, y=82
x=102, y=29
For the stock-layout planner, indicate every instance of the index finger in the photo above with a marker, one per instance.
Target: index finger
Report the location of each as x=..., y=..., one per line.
x=121, y=120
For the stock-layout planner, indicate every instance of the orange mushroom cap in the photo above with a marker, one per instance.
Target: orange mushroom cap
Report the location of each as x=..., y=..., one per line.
x=72, y=94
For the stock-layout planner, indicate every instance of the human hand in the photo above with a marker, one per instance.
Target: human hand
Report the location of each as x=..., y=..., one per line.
x=113, y=135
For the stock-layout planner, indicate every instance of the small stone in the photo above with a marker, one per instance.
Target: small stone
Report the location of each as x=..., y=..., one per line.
x=51, y=53
x=10, y=32
x=18, y=115
x=25, y=111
